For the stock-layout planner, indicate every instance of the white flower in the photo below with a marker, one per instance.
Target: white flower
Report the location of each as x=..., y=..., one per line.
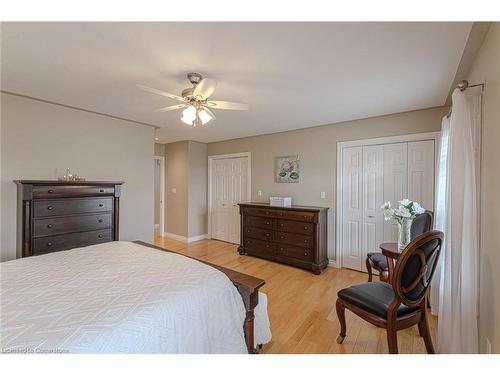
x=402, y=212
x=418, y=208
x=386, y=206
x=405, y=202
x=388, y=214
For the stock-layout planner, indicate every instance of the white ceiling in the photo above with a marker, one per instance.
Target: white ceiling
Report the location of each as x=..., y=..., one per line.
x=292, y=75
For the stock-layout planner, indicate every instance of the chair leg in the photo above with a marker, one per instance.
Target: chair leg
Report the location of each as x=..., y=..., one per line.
x=423, y=329
x=341, y=315
x=392, y=340
x=369, y=268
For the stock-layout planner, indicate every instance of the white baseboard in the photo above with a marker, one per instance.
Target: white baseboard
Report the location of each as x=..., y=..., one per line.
x=333, y=263
x=184, y=238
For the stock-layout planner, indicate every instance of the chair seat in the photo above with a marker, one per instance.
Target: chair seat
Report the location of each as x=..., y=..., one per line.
x=379, y=260
x=374, y=297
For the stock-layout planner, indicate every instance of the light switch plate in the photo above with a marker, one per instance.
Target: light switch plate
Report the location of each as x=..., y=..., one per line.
x=488, y=346
x=323, y=195
x=259, y=193
x=174, y=190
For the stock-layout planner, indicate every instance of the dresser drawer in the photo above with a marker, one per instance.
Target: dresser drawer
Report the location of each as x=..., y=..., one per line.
x=253, y=245
x=263, y=212
x=58, y=207
x=259, y=233
x=69, y=191
x=50, y=244
x=80, y=223
x=259, y=222
x=296, y=227
x=294, y=252
x=295, y=239
x=309, y=217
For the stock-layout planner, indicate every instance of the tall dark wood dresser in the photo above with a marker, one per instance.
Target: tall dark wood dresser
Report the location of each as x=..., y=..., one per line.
x=295, y=235
x=61, y=215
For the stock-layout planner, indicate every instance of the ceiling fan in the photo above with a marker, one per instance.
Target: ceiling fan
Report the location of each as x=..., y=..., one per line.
x=197, y=109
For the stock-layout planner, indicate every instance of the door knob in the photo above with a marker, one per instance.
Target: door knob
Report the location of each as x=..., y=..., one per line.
x=371, y=216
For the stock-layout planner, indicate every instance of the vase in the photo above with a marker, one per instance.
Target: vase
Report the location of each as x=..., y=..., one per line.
x=404, y=233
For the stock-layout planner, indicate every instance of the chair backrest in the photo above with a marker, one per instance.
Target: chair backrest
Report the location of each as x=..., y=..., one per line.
x=421, y=224
x=416, y=266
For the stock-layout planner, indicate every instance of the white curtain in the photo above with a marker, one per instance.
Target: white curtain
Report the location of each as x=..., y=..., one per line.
x=457, y=216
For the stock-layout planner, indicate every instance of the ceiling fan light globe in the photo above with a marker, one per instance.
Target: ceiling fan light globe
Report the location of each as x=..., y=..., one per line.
x=204, y=116
x=189, y=113
x=187, y=121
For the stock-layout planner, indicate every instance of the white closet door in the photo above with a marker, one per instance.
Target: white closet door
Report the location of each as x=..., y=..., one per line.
x=373, y=198
x=352, y=177
x=421, y=173
x=395, y=182
x=229, y=187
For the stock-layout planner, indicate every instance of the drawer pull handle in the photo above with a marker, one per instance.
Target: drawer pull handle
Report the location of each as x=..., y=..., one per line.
x=100, y=236
x=306, y=228
x=101, y=190
x=281, y=224
x=50, y=191
x=267, y=222
x=100, y=220
x=268, y=234
x=305, y=253
x=267, y=245
x=101, y=205
x=49, y=243
x=49, y=208
x=281, y=213
x=49, y=225
x=282, y=237
x=305, y=241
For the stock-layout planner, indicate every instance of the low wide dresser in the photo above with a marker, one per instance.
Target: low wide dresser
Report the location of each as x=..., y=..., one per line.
x=295, y=235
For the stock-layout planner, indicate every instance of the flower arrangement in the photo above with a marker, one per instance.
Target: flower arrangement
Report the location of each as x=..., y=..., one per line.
x=403, y=215
x=407, y=210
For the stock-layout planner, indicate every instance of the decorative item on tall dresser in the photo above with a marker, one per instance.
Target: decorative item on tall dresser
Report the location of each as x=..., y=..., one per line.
x=60, y=215
x=295, y=235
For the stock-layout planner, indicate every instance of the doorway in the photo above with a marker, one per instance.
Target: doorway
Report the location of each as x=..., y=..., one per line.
x=228, y=184
x=159, y=195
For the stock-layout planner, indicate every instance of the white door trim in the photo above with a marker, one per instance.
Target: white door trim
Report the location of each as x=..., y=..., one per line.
x=162, y=193
x=211, y=158
x=368, y=142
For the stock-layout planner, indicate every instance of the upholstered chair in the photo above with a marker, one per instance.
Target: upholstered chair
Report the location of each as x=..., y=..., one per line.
x=402, y=303
x=421, y=224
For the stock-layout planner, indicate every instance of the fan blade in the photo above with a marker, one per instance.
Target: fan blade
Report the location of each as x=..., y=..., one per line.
x=220, y=104
x=171, y=108
x=162, y=93
x=205, y=88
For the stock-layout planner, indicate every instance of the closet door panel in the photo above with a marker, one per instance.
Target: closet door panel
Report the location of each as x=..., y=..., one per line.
x=421, y=161
x=373, y=198
x=352, y=176
x=395, y=182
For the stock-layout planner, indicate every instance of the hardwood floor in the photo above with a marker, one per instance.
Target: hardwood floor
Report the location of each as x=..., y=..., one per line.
x=302, y=305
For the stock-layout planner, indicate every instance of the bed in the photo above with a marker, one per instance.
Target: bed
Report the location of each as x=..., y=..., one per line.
x=128, y=297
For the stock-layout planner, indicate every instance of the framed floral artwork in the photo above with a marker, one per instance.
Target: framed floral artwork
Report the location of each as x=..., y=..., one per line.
x=287, y=169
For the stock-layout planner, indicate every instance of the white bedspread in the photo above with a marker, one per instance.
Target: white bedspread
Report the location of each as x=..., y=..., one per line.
x=121, y=297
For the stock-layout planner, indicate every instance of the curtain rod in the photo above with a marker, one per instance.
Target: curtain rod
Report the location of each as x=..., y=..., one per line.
x=464, y=85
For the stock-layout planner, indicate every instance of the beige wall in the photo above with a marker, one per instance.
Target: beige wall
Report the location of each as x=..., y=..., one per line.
x=159, y=149
x=176, y=209
x=186, y=209
x=486, y=69
x=40, y=140
x=198, y=165
x=317, y=150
